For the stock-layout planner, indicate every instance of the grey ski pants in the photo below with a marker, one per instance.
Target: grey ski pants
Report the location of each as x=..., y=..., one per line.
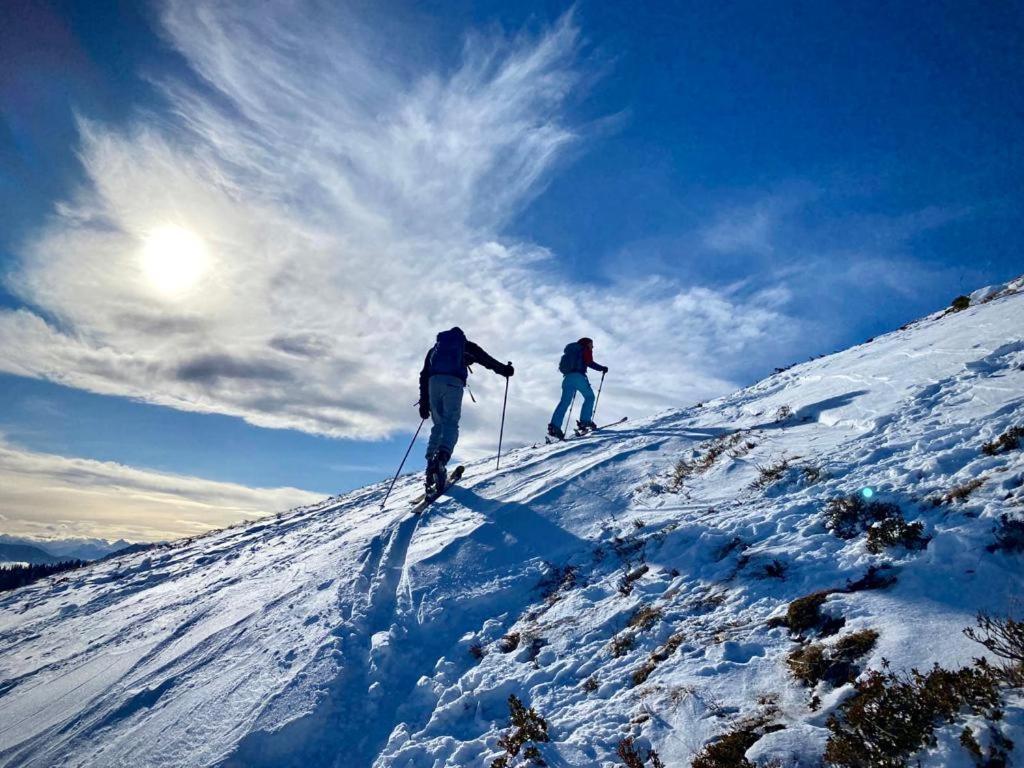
x=445, y=411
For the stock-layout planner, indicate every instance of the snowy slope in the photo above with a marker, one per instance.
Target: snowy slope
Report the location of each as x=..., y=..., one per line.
x=341, y=635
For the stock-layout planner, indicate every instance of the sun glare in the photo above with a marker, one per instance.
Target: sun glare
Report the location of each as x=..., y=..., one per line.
x=173, y=259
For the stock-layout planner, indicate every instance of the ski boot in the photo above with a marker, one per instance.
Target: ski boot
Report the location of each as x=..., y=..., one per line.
x=555, y=432
x=584, y=427
x=437, y=472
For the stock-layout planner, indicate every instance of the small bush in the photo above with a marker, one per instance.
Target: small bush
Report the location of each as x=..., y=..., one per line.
x=776, y=569
x=590, y=684
x=641, y=673
x=896, y=532
x=1005, y=639
x=836, y=665
x=960, y=303
x=812, y=474
x=959, y=492
x=705, y=457
x=850, y=515
x=728, y=751
x=631, y=757
x=784, y=413
x=477, y=651
x=1010, y=440
x=804, y=615
x=509, y=642
x=877, y=577
x=622, y=644
x=558, y=579
x=645, y=617
x=526, y=729
x=892, y=716
x=626, y=583
x=770, y=474
x=1009, y=535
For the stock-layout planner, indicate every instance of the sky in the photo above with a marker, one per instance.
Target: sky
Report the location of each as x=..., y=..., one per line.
x=229, y=233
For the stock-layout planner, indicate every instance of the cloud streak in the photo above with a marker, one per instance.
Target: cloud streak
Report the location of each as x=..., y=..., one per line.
x=354, y=204
x=47, y=496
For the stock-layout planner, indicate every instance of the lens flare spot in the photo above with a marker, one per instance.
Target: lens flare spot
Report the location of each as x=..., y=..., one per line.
x=867, y=493
x=174, y=259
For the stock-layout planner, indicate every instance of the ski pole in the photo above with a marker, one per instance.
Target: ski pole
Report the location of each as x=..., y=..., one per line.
x=407, y=451
x=568, y=415
x=597, y=400
x=501, y=434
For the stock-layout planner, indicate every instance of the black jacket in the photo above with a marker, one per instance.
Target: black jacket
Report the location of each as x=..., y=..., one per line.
x=472, y=355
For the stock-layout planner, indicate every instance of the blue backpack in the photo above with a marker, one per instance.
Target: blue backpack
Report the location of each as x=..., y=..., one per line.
x=572, y=359
x=447, y=356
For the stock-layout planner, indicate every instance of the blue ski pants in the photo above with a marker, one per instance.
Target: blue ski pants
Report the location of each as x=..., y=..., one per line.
x=445, y=411
x=571, y=384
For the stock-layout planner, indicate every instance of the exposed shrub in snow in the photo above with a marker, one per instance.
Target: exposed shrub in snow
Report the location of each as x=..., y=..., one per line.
x=776, y=569
x=657, y=656
x=896, y=532
x=768, y=475
x=703, y=458
x=622, y=644
x=477, y=651
x=626, y=583
x=850, y=515
x=728, y=750
x=631, y=757
x=1010, y=440
x=835, y=665
x=959, y=492
x=1005, y=639
x=1009, y=535
x=877, y=577
x=784, y=413
x=960, y=303
x=893, y=716
x=526, y=729
x=998, y=753
x=509, y=642
x=645, y=617
x=558, y=579
x=804, y=615
x=812, y=474
x=590, y=684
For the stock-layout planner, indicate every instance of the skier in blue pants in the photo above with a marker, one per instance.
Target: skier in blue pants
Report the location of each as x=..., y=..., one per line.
x=576, y=359
x=442, y=380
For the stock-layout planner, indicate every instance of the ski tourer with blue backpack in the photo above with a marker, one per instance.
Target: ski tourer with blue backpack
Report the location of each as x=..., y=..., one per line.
x=442, y=381
x=577, y=358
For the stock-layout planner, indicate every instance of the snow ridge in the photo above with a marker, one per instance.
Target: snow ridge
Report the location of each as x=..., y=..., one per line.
x=611, y=587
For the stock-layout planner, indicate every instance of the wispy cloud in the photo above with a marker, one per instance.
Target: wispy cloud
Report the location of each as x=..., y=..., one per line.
x=46, y=496
x=353, y=203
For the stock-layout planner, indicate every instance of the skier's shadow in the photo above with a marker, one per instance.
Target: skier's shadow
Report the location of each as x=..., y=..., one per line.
x=514, y=530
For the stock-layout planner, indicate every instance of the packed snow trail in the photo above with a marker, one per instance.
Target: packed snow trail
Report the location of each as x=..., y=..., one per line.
x=615, y=595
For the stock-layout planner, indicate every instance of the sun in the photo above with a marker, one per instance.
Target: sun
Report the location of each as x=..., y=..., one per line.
x=174, y=259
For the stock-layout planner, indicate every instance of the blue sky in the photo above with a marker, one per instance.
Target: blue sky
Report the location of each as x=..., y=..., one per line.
x=709, y=191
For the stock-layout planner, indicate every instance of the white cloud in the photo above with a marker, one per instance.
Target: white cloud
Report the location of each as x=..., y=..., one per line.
x=352, y=209
x=47, y=496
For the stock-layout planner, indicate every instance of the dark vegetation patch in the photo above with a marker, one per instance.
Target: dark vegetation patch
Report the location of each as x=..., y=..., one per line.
x=702, y=459
x=17, y=576
x=626, y=582
x=734, y=544
x=622, y=644
x=876, y=577
x=1010, y=440
x=645, y=617
x=631, y=757
x=896, y=532
x=836, y=665
x=812, y=474
x=641, y=673
x=769, y=474
x=958, y=492
x=892, y=716
x=959, y=304
x=728, y=750
x=1009, y=535
x=783, y=414
x=776, y=569
x=804, y=615
x=557, y=580
x=1003, y=637
x=526, y=729
x=509, y=642
x=590, y=684
x=848, y=516
x=477, y=651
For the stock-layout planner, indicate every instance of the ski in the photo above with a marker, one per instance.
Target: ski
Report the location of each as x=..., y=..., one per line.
x=422, y=502
x=577, y=434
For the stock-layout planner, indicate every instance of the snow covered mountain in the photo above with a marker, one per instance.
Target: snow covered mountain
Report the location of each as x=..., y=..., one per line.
x=639, y=589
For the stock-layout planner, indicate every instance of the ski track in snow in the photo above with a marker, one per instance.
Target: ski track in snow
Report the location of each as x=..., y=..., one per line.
x=340, y=635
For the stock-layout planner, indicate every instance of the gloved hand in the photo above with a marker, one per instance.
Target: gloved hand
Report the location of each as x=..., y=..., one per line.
x=604, y=369
x=424, y=410
x=509, y=371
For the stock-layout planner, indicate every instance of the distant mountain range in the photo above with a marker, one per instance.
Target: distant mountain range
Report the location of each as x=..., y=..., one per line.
x=19, y=549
